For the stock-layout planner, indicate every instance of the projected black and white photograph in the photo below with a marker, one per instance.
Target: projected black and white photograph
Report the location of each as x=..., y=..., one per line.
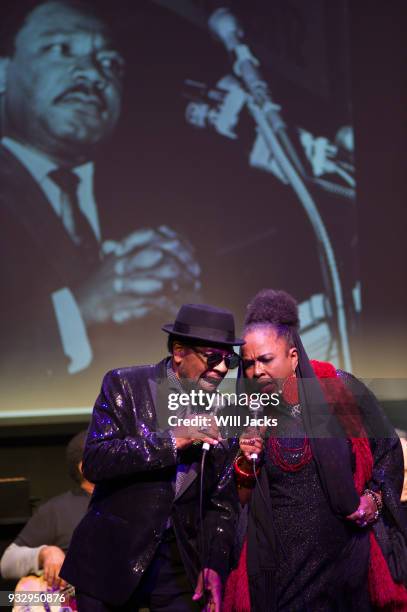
x=167, y=152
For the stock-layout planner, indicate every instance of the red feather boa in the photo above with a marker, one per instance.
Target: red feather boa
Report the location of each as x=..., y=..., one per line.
x=385, y=594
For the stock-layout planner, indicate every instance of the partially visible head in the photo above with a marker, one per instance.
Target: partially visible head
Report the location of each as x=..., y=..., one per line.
x=60, y=80
x=269, y=353
x=201, y=342
x=201, y=364
x=74, y=454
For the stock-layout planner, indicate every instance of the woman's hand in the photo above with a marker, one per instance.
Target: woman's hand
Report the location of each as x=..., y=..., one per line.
x=250, y=444
x=366, y=512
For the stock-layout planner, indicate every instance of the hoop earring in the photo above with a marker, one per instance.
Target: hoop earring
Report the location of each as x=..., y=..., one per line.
x=289, y=389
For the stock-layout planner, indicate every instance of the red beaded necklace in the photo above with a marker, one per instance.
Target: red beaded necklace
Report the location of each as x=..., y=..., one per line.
x=278, y=454
x=281, y=455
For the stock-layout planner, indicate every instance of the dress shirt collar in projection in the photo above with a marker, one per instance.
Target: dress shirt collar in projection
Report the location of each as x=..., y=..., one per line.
x=39, y=166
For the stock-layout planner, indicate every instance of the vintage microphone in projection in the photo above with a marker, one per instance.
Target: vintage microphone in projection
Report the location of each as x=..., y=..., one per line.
x=266, y=114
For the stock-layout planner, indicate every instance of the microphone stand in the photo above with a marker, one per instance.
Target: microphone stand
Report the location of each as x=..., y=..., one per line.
x=265, y=113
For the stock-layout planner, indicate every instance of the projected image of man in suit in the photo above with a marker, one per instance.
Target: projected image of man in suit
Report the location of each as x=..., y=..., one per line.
x=61, y=87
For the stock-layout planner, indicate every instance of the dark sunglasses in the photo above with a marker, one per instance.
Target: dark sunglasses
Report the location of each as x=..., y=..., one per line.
x=213, y=359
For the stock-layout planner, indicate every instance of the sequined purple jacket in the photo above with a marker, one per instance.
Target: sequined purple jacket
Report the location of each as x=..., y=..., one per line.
x=131, y=458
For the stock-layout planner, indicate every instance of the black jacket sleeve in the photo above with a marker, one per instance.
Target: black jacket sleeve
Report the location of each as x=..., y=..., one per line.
x=123, y=438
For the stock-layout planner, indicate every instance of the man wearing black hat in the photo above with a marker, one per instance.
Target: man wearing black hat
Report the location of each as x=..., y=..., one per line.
x=145, y=539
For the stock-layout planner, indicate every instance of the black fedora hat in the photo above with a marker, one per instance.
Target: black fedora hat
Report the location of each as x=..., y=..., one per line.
x=203, y=322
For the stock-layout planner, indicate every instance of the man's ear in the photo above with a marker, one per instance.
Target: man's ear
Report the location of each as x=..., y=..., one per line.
x=4, y=63
x=178, y=352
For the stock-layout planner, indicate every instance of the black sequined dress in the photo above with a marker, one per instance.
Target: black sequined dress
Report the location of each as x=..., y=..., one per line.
x=322, y=560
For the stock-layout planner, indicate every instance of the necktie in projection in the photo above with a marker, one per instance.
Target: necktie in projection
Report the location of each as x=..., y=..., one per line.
x=74, y=221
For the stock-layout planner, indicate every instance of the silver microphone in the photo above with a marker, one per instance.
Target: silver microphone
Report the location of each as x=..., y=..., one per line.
x=255, y=413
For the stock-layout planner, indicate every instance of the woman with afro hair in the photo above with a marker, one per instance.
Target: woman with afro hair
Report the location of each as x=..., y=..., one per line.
x=325, y=529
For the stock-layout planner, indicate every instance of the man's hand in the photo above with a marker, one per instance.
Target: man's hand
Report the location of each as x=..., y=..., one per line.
x=51, y=559
x=209, y=582
x=146, y=271
x=185, y=436
x=365, y=514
